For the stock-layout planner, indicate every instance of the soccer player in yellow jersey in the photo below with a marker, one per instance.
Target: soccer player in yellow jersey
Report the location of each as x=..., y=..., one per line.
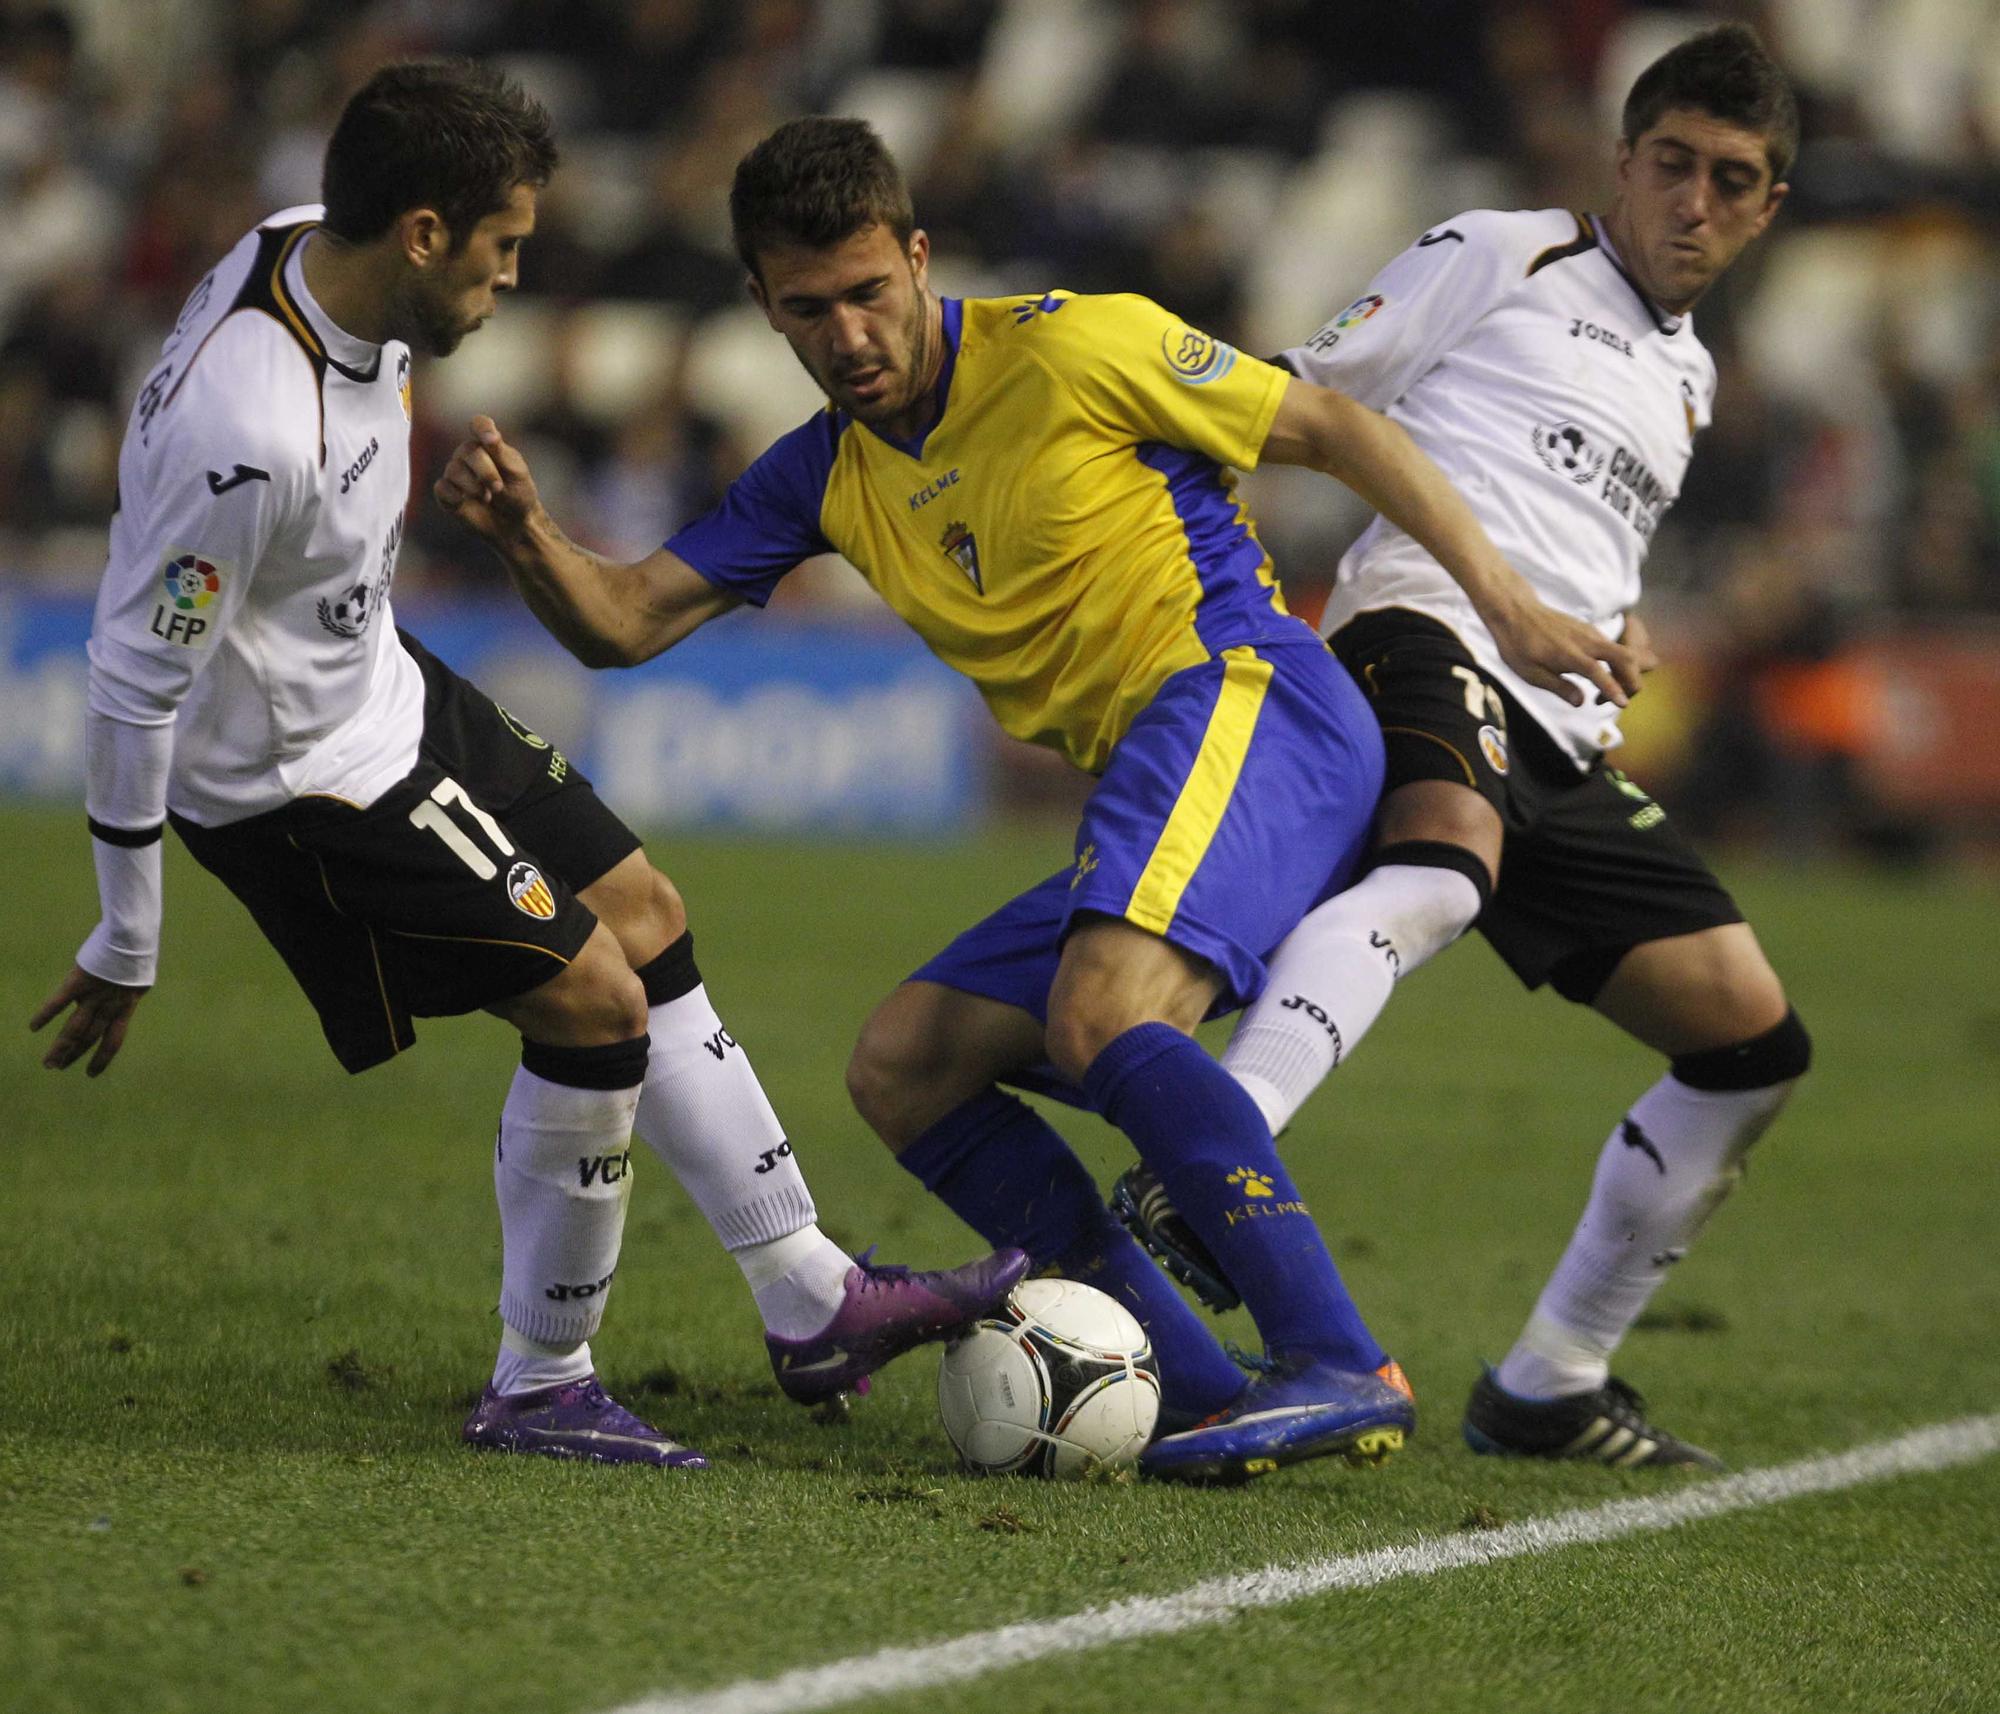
x=1040, y=487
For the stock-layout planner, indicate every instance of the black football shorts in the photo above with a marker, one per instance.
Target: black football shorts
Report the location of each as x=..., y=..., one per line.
x=454, y=890
x=1591, y=866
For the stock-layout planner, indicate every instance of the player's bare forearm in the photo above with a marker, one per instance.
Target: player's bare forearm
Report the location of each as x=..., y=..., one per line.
x=606, y=613
x=1377, y=459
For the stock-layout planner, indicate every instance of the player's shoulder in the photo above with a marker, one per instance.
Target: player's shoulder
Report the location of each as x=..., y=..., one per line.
x=1509, y=240
x=795, y=467
x=253, y=387
x=1083, y=334
x=237, y=370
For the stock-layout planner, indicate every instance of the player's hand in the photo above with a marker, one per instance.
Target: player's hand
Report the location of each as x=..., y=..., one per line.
x=1640, y=641
x=487, y=485
x=1553, y=650
x=103, y=1012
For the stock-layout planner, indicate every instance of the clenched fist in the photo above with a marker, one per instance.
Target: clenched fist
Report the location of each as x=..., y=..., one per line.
x=487, y=485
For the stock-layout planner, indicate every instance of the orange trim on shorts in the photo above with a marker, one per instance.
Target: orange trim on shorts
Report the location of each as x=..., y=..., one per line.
x=480, y=940
x=1471, y=779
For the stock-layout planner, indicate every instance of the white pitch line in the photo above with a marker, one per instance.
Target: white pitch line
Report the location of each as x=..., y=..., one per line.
x=890, y=1671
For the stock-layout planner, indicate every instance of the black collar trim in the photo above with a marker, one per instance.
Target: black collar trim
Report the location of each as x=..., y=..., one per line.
x=1667, y=324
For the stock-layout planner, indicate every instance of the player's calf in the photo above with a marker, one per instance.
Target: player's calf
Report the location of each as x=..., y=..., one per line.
x=1667, y=1166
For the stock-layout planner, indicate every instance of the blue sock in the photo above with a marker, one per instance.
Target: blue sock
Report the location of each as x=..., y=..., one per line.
x=1003, y=1170
x=1208, y=1144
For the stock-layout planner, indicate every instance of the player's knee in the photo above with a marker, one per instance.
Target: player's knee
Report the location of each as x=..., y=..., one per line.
x=640, y=906
x=597, y=1000
x=665, y=909
x=1774, y=1058
x=1081, y=1030
x=896, y=1069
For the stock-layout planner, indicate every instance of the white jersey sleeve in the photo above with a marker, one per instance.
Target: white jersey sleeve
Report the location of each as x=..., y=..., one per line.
x=1418, y=307
x=222, y=484
x=227, y=473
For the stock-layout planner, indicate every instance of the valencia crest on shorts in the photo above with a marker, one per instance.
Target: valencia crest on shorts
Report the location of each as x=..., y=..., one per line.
x=530, y=893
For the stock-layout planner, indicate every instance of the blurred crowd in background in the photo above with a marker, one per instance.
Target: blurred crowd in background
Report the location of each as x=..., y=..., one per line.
x=1248, y=164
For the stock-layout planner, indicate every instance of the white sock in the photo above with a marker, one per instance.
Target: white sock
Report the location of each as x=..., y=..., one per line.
x=1333, y=974
x=703, y=1112
x=1666, y=1168
x=562, y=1173
x=527, y=1365
x=799, y=1281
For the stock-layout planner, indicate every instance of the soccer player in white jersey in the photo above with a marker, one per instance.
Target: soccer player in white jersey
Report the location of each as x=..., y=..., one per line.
x=410, y=848
x=1547, y=362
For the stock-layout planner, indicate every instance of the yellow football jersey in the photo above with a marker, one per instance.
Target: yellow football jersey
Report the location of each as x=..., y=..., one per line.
x=1067, y=533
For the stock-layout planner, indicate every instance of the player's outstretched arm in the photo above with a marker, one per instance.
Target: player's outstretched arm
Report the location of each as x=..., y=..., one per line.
x=1328, y=431
x=606, y=613
x=103, y=1012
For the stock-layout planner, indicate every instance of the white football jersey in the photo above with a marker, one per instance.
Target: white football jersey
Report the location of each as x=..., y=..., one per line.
x=261, y=491
x=1561, y=403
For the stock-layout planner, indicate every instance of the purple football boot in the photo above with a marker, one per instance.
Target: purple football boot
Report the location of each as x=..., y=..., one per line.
x=886, y=1310
x=576, y=1420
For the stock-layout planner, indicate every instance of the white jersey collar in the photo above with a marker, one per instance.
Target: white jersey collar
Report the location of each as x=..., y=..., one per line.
x=1664, y=322
x=355, y=358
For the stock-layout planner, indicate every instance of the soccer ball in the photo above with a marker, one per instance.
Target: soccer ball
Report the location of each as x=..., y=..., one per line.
x=1059, y=1381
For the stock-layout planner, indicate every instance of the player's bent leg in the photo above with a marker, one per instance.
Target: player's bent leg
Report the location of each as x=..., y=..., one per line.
x=1711, y=1002
x=928, y=1049
x=924, y=1074
x=1436, y=860
x=704, y=1113
x=593, y=1001
x=1328, y=982
x=562, y=1177
x=1694, y=993
x=829, y=1320
x=1126, y=999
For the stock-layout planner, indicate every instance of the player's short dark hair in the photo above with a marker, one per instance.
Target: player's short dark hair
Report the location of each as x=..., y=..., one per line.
x=1726, y=73
x=449, y=135
x=813, y=182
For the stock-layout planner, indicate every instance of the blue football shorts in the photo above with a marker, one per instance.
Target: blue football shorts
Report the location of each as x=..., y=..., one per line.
x=1240, y=797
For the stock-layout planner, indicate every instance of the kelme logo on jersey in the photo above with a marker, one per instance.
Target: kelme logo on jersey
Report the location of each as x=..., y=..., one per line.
x=403, y=383
x=1568, y=451
x=958, y=541
x=1029, y=308
x=1195, y=357
x=1493, y=746
x=530, y=893
x=192, y=582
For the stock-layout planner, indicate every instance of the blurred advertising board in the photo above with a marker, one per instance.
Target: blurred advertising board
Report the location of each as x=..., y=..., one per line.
x=756, y=723
x=1932, y=749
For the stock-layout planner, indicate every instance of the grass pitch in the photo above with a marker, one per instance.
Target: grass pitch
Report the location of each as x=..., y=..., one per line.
x=245, y=1301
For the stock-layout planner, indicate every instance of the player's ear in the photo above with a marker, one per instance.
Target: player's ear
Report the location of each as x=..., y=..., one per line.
x=755, y=287
x=422, y=237
x=1778, y=194
x=920, y=256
